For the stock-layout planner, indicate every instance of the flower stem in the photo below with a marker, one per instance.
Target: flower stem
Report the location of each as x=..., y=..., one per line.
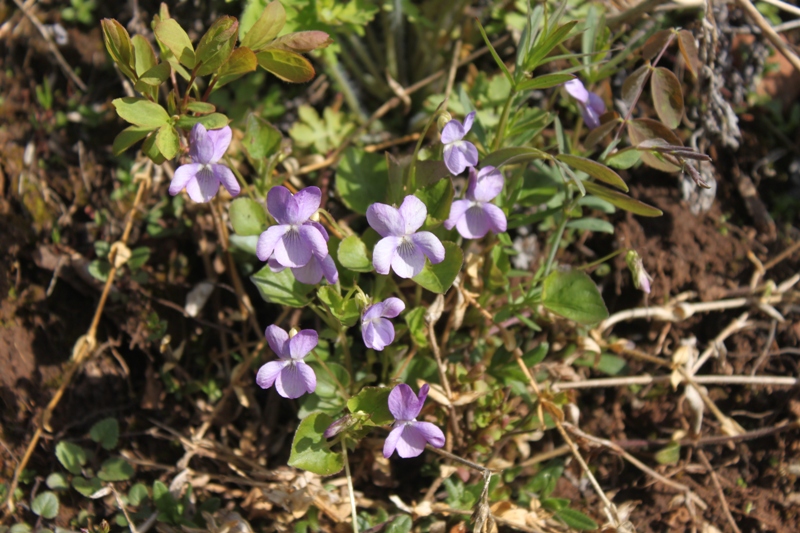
x=350, y=489
x=554, y=248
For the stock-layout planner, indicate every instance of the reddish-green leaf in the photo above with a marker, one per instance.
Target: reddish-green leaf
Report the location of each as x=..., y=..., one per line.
x=286, y=65
x=240, y=62
x=266, y=28
x=594, y=169
x=633, y=84
x=172, y=36
x=689, y=52
x=302, y=41
x=623, y=201
x=119, y=46
x=216, y=45
x=642, y=129
x=667, y=97
x=601, y=131
x=655, y=44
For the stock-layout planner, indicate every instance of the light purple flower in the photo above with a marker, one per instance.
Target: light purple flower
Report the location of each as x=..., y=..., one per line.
x=403, y=248
x=592, y=106
x=295, y=238
x=202, y=176
x=408, y=436
x=377, y=331
x=458, y=153
x=312, y=273
x=641, y=279
x=291, y=376
x=474, y=216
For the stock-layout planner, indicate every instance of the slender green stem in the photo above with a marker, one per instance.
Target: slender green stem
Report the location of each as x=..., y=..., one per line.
x=501, y=127
x=412, y=172
x=350, y=489
x=556, y=242
x=348, y=362
x=602, y=259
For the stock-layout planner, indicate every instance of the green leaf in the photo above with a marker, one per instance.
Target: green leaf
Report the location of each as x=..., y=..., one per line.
x=439, y=278
x=286, y=65
x=144, y=55
x=345, y=310
x=45, y=505
x=669, y=455
x=625, y=158
x=128, y=137
x=545, y=480
x=87, y=487
x=175, y=38
x=119, y=46
x=361, y=179
x=248, y=217
x=496, y=57
x=261, y=139
x=667, y=97
x=573, y=295
x=416, y=326
x=99, y=269
x=216, y=45
x=281, y=287
x=622, y=201
x=139, y=257
x=141, y=112
x=545, y=45
x=71, y=456
x=57, y=481
x=167, y=141
x=310, y=450
x=576, y=520
x=401, y=524
x=214, y=121
x=512, y=156
x=554, y=504
x=20, y=527
x=202, y=108
x=150, y=149
x=106, y=432
x=545, y=82
x=153, y=77
x=591, y=224
x=266, y=28
x=239, y=63
x=353, y=254
x=137, y=494
x=115, y=469
x=375, y=402
x=594, y=169
x=437, y=198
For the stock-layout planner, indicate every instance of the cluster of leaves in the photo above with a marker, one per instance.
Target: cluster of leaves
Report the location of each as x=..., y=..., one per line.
x=216, y=55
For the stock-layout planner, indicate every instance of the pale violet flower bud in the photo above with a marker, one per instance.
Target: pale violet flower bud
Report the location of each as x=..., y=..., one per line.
x=409, y=436
x=291, y=376
x=458, y=153
x=641, y=279
x=202, y=177
x=403, y=248
x=475, y=216
x=376, y=330
x=443, y=119
x=592, y=106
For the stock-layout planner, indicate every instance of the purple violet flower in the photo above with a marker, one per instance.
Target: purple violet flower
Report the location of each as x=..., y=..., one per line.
x=459, y=154
x=291, y=376
x=295, y=238
x=203, y=175
x=474, y=216
x=403, y=248
x=408, y=436
x=641, y=279
x=377, y=331
x=312, y=273
x=592, y=106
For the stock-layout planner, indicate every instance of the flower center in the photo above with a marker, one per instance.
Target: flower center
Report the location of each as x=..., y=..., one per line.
x=406, y=246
